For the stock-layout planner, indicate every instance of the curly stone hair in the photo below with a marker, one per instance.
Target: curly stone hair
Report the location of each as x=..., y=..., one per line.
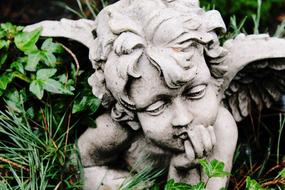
x=130, y=31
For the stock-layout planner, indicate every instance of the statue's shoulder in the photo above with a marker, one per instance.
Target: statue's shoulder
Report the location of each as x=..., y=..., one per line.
x=105, y=142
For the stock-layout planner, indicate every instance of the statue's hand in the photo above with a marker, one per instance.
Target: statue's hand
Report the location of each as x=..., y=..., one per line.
x=186, y=159
x=202, y=140
x=183, y=166
x=199, y=144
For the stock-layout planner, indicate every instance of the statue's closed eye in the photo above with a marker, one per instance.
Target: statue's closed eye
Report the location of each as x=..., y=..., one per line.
x=156, y=108
x=195, y=92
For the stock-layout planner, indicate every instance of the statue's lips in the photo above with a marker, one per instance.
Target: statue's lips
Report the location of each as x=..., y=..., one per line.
x=183, y=135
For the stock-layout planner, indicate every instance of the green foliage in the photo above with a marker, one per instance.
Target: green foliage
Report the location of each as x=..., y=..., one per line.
x=256, y=17
x=237, y=28
x=37, y=157
x=85, y=8
x=251, y=184
x=40, y=69
x=171, y=185
x=144, y=179
x=26, y=41
x=243, y=8
x=214, y=168
x=85, y=103
x=32, y=65
x=34, y=77
x=281, y=173
x=43, y=81
x=43, y=96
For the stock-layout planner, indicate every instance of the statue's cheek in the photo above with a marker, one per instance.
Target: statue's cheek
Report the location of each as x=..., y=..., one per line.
x=205, y=110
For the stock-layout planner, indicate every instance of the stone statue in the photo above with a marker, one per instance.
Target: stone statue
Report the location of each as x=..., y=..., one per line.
x=172, y=94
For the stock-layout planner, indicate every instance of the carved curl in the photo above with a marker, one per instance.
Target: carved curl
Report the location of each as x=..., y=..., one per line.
x=131, y=31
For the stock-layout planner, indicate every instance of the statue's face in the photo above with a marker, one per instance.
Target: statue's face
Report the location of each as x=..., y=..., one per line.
x=166, y=114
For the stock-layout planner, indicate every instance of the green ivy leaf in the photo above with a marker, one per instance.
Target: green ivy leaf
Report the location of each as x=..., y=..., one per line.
x=90, y=103
x=4, y=43
x=26, y=41
x=2, y=34
x=68, y=84
x=172, y=185
x=10, y=30
x=214, y=168
x=94, y=104
x=33, y=61
x=44, y=74
x=53, y=86
x=5, y=79
x=3, y=57
x=155, y=187
x=200, y=186
x=251, y=184
x=31, y=113
x=48, y=58
x=18, y=66
x=62, y=78
x=79, y=105
x=36, y=87
x=14, y=101
x=7, y=26
x=68, y=87
x=52, y=47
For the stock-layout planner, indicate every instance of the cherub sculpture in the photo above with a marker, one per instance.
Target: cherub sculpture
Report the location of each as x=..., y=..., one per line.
x=172, y=94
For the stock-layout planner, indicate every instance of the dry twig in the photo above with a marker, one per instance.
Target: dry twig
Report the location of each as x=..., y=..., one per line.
x=14, y=164
x=74, y=58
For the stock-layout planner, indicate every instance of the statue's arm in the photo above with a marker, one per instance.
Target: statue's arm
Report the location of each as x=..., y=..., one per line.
x=103, y=177
x=226, y=135
x=102, y=145
x=98, y=148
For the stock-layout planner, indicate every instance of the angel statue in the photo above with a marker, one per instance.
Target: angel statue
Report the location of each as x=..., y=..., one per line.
x=171, y=93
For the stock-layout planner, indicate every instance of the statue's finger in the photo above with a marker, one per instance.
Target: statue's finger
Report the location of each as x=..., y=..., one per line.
x=212, y=134
x=206, y=139
x=189, y=150
x=195, y=139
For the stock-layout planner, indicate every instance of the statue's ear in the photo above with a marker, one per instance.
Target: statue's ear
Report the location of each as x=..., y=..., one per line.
x=122, y=115
x=253, y=73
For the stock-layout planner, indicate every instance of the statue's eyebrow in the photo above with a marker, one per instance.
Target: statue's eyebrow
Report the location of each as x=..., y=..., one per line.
x=194, y=83
x=188, y=36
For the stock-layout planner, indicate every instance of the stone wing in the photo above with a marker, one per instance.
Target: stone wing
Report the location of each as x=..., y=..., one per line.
x=254, y=77
x=78, y=30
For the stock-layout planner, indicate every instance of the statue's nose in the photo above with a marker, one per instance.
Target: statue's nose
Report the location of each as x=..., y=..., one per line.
x=181, y=115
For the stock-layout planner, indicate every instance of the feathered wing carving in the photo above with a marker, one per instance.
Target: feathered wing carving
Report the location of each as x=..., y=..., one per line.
x=254, y=73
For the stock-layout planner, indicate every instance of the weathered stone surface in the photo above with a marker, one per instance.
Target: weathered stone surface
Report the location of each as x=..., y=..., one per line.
x=165, y=81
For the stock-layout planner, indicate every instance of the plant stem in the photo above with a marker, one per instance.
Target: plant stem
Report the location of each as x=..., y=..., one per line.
x=14, y=164
x=256, y=18
x=281, y=126
x=22, y=77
